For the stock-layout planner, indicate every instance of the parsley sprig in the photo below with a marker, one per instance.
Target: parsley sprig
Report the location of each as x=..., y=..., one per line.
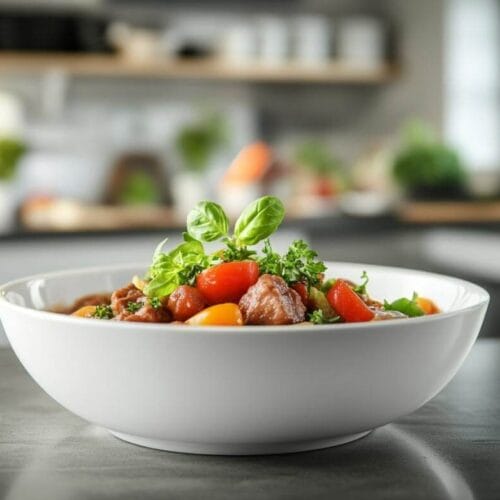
x=103, y=312
x=318, y=317
x=300, y=263
x=133, y=307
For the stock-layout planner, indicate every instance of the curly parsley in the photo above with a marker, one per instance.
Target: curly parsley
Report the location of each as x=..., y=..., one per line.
x=103, y=312
x=155, y=302
x=300, y=263
x=361, y=289
x=318, y=318
x=133, y=307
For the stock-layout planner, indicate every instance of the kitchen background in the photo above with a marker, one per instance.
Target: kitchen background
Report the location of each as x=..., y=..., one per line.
x=377, y=122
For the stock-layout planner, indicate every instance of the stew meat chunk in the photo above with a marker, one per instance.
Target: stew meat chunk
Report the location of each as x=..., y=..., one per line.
x=130, y=304
x=271, y=302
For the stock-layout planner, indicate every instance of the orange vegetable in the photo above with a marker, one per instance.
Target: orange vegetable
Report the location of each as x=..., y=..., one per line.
x=219, y=315
x=427, y=305
x=250, y=165
x=84, y=312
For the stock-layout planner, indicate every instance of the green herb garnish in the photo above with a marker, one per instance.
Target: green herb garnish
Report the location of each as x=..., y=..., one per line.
x=133, y=307
x=361, y=289
x=318, y=317
x=259, y=220
x=234, y=252
x=155, y=302
x=300, y=263
x=207, y=222
x=406, y=306
x=178, y=267
x=103, y=312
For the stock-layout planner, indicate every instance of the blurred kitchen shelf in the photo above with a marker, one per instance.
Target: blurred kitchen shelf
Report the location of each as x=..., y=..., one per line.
x=451, y=212
x=115, y=66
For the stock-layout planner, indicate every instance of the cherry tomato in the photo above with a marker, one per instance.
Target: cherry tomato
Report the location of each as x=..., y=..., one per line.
x=84, y=312
x=427, y=305
x=227, y=282
x=185, y=301
x=348, y=305
x=301, y=289
x=228, y=314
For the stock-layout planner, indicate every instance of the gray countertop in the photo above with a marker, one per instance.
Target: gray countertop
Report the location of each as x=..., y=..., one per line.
x=450, y=448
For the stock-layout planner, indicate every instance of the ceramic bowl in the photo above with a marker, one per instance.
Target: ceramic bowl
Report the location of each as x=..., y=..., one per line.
x=246, y=390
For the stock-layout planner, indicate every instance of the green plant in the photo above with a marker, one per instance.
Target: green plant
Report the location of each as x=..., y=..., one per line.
x=197, y=143
x=424, y=163
x=314, y=156
x=139, y=188
x=11, y=151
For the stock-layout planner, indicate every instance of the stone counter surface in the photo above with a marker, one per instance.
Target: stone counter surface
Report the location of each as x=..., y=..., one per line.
x=450, y=448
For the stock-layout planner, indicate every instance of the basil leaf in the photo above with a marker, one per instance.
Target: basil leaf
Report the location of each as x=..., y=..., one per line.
x=178, y=267
x=259, y=220
x=405, y=306
x=207, y=221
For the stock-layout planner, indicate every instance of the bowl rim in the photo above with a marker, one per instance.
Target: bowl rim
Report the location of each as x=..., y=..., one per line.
x=483, y=300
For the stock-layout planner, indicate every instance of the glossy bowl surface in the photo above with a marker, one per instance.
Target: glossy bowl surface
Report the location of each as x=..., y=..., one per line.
x=246, y=390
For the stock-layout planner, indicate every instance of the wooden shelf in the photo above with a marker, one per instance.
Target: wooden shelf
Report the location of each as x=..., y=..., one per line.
x=209, y=69
x=451, y=212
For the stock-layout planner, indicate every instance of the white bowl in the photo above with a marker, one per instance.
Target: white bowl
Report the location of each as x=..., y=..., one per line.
x=250, y=390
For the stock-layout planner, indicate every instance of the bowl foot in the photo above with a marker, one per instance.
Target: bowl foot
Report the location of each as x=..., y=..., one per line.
x=237, y=448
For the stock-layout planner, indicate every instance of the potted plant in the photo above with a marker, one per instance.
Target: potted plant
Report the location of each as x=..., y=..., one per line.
x=197, y=145
x=11, y=151
x=428, y=169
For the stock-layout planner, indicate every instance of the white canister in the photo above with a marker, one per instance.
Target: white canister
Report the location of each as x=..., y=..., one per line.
x=361, y=41
x=273, y=40
x=312, y=37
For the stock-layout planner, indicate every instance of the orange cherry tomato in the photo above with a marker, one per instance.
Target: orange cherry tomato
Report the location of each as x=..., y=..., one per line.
x=228, y=314
x=84, y=312
x=347, y=303
x=301, y=289
x=227, y=282
x=427, y=305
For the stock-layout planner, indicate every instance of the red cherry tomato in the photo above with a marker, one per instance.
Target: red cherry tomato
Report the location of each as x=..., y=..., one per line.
x=301, y=289
x=185, y=301
x=227, y=282
x=348, y=305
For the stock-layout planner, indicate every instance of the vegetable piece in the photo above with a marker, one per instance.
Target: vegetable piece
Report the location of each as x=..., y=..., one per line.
x=326, y=285
x=133, y=307
x=300, y=263
x=318, y=318
x=301, y=289
x=103, y=312
x=207, y=221
x=227, y=282
x=318, y=301
x=218, y=315
x=259, y=220
x=185, y=301
x=361, y=289
x=406, y=306
x=427, y=305
x=178, y=267
x=348, y=304
x=85, y=312
x=155, y=302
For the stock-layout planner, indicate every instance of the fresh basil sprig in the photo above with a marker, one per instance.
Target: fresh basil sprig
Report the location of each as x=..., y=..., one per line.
x=259, y=220
x=178, y=267
x=406, y=306
x=207, y=221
